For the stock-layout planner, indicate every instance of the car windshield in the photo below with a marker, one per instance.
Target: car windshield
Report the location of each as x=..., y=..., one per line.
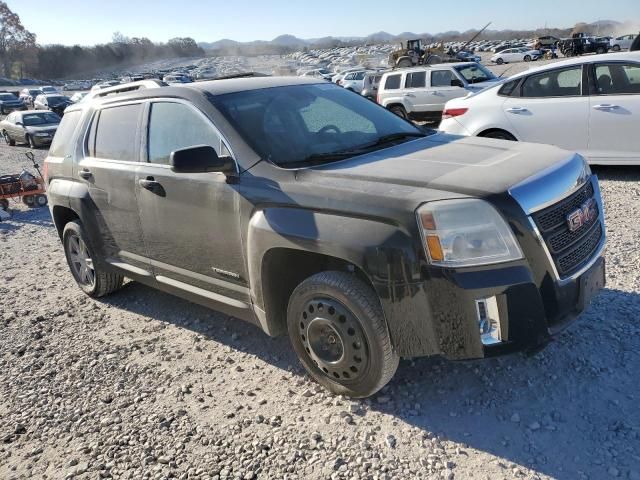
x=32, y=119
x=7, y=96
x=48, y=89
x=475, y=73
x=303, y=125
x=55, y=99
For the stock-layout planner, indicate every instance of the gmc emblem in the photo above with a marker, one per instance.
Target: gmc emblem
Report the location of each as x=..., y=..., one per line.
x=587, y=213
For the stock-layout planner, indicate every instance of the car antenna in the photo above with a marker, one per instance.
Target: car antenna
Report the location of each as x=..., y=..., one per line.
x=506, y=71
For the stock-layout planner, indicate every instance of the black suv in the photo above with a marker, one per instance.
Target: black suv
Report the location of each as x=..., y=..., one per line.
x=298, y=206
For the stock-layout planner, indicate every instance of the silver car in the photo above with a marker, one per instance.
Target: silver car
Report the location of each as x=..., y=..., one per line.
x=33, y=127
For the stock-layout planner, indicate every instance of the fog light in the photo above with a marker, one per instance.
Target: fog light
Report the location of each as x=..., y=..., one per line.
x=488, y=320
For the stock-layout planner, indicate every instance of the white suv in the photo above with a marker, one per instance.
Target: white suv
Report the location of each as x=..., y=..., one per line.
x=420, y=93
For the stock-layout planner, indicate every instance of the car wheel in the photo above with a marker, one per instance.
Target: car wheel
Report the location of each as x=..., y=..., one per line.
x=93, y=279
x=31, y=142
x=41, y=200
x=10, y=141
x=399, y=111
x=404, y=63
x=616, y=48
x=337, y=329
x=601, y=50
x=527, y=58
x=4, y=204
x=28, y=200
x=499, y=134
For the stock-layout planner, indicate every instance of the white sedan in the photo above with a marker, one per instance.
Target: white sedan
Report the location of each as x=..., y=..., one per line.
x=590, y=105
x=515, y=55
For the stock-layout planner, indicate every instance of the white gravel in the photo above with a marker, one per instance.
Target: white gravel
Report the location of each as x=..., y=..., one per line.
x=143, y=385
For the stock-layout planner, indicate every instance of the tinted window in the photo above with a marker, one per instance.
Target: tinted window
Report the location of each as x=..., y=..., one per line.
x=441, y=78
x=416, y=80
x=115, y=133
x=392, y=82
x=360, y=76
x=173, y=126
x=618, y=79
x=557, y=83
x=61, y=145
x=509, y=88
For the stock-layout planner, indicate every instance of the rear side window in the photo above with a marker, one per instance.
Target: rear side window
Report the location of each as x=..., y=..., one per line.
x=618, y=79
x=392, y=82
x=441, y=78
x=173, y=126
x=557, y=83
x=61, y=145
x=509, y=89
x=114, y=136
x=416, y=80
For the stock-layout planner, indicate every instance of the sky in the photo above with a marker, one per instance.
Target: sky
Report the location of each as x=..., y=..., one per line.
x=88, y=22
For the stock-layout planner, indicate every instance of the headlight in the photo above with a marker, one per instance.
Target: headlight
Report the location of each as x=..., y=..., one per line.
x=466, y=232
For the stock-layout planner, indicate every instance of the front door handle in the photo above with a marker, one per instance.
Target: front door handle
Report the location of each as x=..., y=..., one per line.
x=606, y=107
x=516, y=110
x=86, y=174
x=149, y=183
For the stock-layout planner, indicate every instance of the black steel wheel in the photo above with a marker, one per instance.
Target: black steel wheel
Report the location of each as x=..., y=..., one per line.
x=41, y=200
x=337, y=328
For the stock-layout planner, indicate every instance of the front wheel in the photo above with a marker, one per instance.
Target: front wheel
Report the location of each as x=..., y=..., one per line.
x=616, y=48
x=500, y=61
x=338, y=331
x=91, y=277
x=10, y=141
x=527, y=58
x=399, y=111
x=499, y=134
x=601, y=50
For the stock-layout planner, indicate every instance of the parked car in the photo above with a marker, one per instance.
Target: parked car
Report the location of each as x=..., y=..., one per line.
x=103, y=85
x=581, y=44
x=420, y=93
x=28, y=95
x=47, y=89
x=371, y=83
x=322, y=73
x=54, y=102
x=303, y=208
x=33, y=127
x=468, y=57
x=354, y=81
x=519, y=54
x=622, y=43
x=551, y=104
x=78, y=96
x=9, y=102
x=546, y=41
x=176, y=79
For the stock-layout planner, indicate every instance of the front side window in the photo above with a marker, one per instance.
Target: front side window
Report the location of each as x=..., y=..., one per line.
x=174, y=126
x=556, y=83
x=441, y=78
x=618, y=79
x=360, y=75
x=114, y=135
x=392, y=82
x=416, y=80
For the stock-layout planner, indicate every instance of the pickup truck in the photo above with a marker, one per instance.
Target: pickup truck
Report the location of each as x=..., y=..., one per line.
x=307, y=210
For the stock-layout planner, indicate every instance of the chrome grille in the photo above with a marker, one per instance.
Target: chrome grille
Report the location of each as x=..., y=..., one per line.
x=570, y=250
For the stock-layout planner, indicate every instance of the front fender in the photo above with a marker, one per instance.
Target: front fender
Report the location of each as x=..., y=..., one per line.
x=395, y=101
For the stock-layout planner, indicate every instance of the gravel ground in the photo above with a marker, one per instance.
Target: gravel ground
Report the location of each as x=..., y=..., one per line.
x=144, y=385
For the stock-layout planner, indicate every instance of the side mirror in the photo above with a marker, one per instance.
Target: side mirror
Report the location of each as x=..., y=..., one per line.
x=200, y=159
x=19, y=123
x=456, y=83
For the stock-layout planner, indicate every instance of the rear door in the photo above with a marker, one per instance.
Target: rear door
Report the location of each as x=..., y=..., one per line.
x=416, y=92
x=191, y=222
x=615, y=113
x=108, y=170
x=552, y=108
x=445, y=85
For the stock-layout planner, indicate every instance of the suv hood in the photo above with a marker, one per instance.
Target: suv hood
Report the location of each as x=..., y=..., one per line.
x=465, y=165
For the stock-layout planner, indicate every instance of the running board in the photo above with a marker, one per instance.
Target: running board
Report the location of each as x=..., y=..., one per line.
x=203, y=293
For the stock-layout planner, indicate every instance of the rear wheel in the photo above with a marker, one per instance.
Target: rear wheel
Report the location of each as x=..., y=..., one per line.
x=338, y=331
x=616, y=48
x=399, y=111
x=404, y=63
x=499, y=134
x=41, y=200
x=10, y=141
x=29, y=200
x=527, y=58
x=601, y=50
x=92, y=278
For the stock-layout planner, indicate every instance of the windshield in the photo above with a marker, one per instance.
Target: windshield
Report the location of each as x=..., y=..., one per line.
x=7, y=96
x=302, y=125
x=475, y=73
x=32, y=119
x=55, y=99
x=48, y=89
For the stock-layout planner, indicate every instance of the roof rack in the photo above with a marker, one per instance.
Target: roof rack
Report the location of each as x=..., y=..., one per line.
x=127, y=87
x=235, y=75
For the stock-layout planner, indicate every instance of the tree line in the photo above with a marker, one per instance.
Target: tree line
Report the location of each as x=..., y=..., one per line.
x=22, y=57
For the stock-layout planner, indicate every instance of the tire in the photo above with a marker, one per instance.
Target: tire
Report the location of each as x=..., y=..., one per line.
x=31, y=142
x=527, y=58
x=616, y=48
x=28, y=200
x=41, y=200
x=4, y=204
x=399, y=111
x=601, y=50
x=499, y=134
x=404, y=63
x=500, y=61
x=92, y=278
x=328, y=308
x=10, y=141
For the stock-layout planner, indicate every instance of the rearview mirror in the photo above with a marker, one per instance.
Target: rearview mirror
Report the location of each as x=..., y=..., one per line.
x=456, y=83
x=200, y=159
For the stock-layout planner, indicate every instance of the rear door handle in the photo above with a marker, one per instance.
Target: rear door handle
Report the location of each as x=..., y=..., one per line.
x=149, y=183
x=605, y=107
x=409, y=95
x=86, y=174
x=516, y=110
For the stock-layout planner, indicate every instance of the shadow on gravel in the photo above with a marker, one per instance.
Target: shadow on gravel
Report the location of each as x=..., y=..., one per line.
x=629, y=173
x=24, y=217
x=559, y=413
